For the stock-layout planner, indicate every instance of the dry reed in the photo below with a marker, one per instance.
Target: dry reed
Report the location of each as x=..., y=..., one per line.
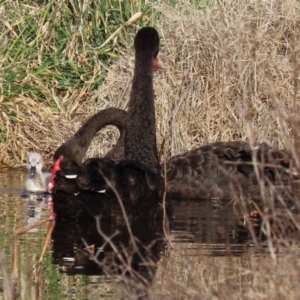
x=229, y=72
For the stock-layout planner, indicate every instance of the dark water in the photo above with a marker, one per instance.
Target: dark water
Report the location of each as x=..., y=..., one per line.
x=127, y=260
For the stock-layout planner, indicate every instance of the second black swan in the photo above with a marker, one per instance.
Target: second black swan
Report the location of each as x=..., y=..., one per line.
x=68, y=158
x=136, y=180
x=218, y=170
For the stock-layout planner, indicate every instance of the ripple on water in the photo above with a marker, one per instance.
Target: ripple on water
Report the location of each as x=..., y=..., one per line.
x=203, y=235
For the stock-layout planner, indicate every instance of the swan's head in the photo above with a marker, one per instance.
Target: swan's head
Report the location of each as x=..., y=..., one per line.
x=146, y=42
x=34, y=162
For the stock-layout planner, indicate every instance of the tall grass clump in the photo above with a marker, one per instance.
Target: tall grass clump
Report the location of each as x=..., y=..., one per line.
x=188, y=275
x=54, y=54
x=229, y=72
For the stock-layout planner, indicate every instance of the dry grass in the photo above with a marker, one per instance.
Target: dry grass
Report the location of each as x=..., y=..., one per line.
x=229, y=72
x=188, y=275
x=227, y=77
x=54, y=54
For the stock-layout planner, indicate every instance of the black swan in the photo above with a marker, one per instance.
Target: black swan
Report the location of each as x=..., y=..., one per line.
x=216, y=170
x=219, y=170
x=37, y=180
x=136, y=179
x=69, y=155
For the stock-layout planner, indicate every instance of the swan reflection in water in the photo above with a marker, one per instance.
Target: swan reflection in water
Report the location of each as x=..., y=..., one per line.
x=132, y=256
x=37, y=207
x=127, y=252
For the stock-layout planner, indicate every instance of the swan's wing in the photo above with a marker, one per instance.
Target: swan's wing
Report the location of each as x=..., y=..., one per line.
x=218, y=169
x=94, y=174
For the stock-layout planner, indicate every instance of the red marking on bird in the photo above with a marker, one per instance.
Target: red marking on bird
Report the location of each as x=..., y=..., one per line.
x=156, y=64
x=55, y=169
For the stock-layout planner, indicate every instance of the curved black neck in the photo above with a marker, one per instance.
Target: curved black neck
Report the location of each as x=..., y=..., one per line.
x=76, y=147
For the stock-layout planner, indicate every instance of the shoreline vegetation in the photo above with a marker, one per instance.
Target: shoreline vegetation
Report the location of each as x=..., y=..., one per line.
x=230, y=71
x=54, y=55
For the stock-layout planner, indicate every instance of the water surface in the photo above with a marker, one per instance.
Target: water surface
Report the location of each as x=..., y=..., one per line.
x=127, y=262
